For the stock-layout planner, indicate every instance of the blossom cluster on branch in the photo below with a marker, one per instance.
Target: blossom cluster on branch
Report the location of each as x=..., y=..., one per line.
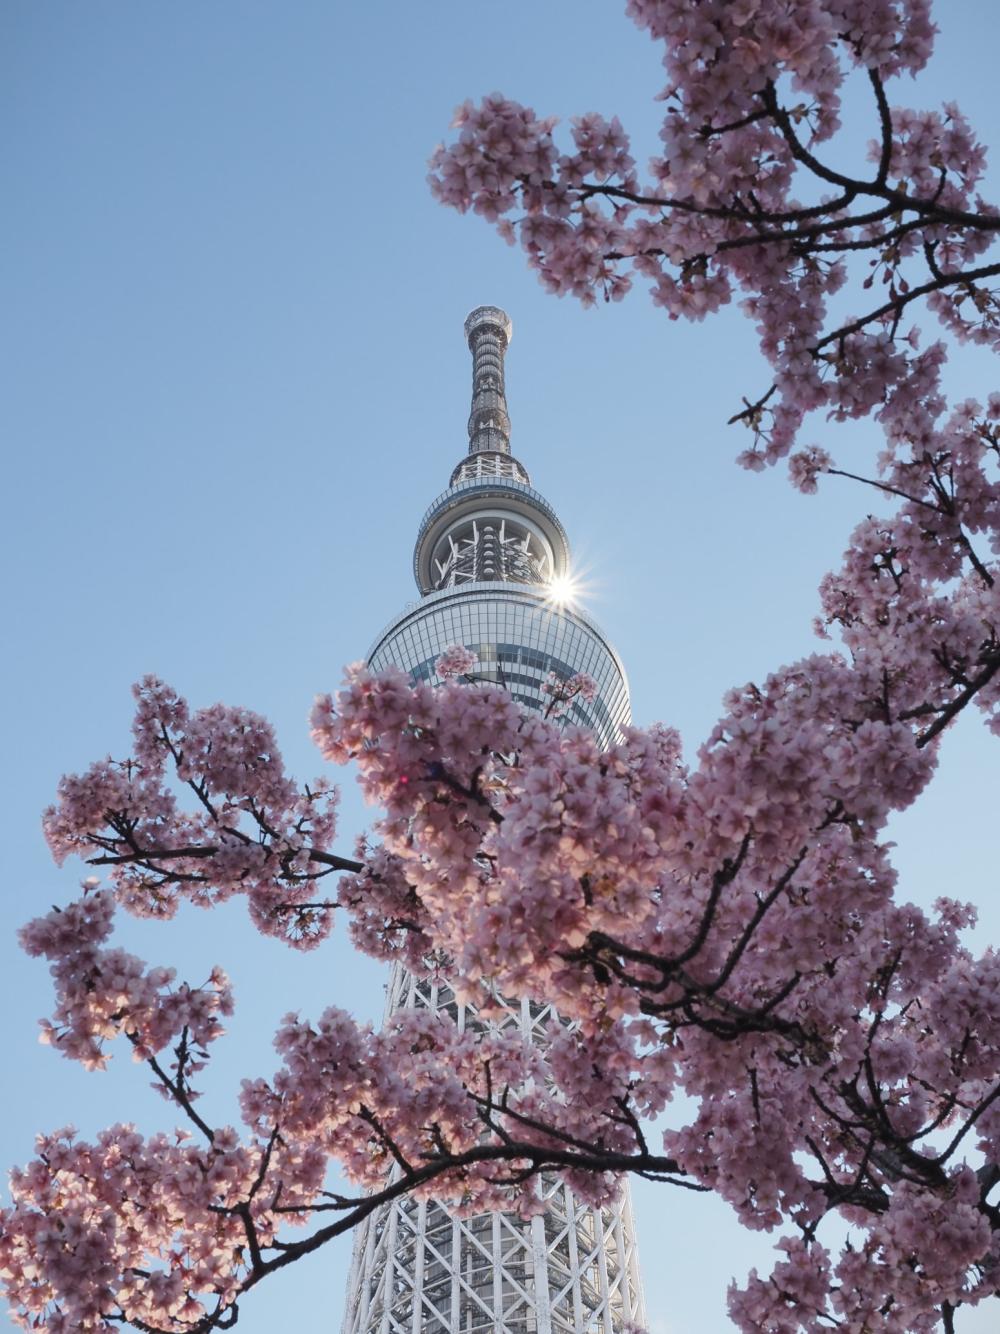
x=248, y=828
x=167, y=1233
x=742, y=202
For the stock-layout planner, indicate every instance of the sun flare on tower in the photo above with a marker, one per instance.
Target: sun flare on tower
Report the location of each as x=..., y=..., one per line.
x=563, y=590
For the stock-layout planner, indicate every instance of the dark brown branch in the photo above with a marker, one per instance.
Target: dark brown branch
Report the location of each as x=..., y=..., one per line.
x=176, y=1090
x=725, y=876
x=899, y=303
x=802, y=155
x=142, y=856
x=956, y=706
x=885, y=123
x=882, y=486
x=763, y=906
x=403, y=1163
x=964, y=1129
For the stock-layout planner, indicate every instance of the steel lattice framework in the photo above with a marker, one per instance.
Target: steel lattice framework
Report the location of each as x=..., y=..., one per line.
x=486, y=550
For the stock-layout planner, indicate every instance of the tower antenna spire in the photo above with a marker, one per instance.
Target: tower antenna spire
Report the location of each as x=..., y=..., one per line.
x=489, y=331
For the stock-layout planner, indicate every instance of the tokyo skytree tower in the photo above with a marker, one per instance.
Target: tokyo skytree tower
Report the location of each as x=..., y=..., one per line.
x=490, y=555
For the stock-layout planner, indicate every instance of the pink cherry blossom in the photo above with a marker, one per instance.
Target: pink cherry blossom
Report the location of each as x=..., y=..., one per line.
x=455, y=661
x=727, y=209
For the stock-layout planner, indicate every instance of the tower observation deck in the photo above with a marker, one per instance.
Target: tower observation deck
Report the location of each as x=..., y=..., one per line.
x=489, y=556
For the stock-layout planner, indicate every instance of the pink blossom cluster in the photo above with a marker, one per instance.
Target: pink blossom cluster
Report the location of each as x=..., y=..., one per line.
x=749, y=900
x=925, y=1251
x=562, y=692
x=399, y=1098
x=167, y=1233
x=202, y=809
x=742, y=202
x=128, y=1229
x=386, y=916
x=455, y=661
x=102, y=993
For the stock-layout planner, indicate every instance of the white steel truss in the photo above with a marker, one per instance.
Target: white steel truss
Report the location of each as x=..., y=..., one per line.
x=418, y=1270
x=483, y=549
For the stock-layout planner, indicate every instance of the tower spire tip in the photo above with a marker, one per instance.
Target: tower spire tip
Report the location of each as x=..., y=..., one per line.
x=488, y=316
x=488, y=330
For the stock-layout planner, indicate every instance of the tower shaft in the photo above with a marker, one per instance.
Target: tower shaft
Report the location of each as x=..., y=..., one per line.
x=486, y=552
x=488, y=330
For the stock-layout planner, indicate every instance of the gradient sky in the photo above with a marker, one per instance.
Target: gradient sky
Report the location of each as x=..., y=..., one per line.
x=234, y=378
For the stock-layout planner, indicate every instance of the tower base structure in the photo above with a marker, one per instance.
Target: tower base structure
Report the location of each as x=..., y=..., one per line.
x=419, y=1269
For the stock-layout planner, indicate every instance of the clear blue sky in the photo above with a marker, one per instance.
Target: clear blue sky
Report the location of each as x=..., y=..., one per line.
x=234, y=376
